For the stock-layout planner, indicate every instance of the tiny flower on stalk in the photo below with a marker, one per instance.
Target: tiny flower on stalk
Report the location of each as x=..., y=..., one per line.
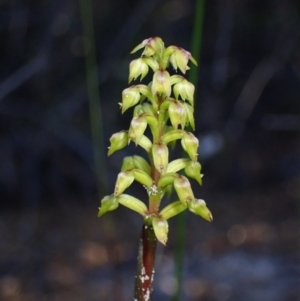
x=160, y=154
x=161, y=83
x=190, y=144
x=130, y=97
x=177, y=114
x=108, y=203
x=193, y=170
x=179, y=58
x=161, y=229
x=138, y=68
x=184, y=190
x=124, y=180
x=137, y=128
x=117, y=141
x=185, y=90
x=198, y=207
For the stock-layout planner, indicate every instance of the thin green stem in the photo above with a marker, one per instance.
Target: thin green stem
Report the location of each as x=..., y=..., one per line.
x=95, y=110
x=193, y=77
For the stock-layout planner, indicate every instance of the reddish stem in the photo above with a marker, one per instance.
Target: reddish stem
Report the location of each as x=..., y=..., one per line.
x=146, y=258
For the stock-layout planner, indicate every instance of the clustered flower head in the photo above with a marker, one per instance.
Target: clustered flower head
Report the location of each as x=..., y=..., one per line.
x=166, y=107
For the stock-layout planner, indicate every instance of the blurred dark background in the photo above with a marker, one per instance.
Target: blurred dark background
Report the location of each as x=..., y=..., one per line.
x=52, y=246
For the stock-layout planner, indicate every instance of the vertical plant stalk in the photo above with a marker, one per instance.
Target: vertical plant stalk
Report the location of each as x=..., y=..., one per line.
x=167, y=118
x=193, y=78
x=146, y=259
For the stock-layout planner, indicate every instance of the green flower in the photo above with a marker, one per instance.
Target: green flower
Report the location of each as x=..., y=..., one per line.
x=161, y=83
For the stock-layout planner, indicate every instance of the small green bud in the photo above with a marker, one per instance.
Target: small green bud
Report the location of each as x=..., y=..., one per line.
x=186, y=90
x=177, y=165
x=130, y=97
x=140, y=163
x=161, y=83
x=193, y=170
x=142, y=177
x=108, y=203
x=198, y=207
x=183, y=189
x=177, y=114
x=117, y=141
x=160, y=154
x=172, y=135
x=124, y=180
x=172, y=210
x=161, y=229
x=138, y=68
x=127, y=163
x=190, y=144
x=137, y=128
x=133, y=204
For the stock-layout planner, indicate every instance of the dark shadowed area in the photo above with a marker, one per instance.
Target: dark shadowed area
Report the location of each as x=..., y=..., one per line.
x=52, y=245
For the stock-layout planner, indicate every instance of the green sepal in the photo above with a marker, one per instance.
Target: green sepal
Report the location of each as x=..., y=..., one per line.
x=148, y=109
x=190, y=115
x=108, y=203
x=198, y=207
x=133, y=204
x=172, y=135
x=161, y=229
x=172, y=210
x=140, y=163
x=152, y=63
x=175, y=79
x=137, y=111
x=177, y=165
x=142, y=177
x=167, y=179
x=145, y=143
x=127, y=163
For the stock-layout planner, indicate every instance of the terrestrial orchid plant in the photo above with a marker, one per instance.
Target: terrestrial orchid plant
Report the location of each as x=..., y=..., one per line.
x=166, y=106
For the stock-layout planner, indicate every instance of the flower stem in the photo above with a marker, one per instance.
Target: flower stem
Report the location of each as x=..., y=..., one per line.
x=146, y=259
